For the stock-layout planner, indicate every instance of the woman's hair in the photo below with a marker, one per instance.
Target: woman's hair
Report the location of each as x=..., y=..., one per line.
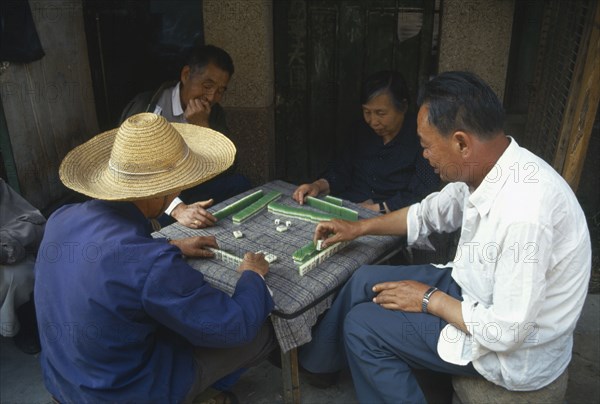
x=462, y=101
x=388, y=81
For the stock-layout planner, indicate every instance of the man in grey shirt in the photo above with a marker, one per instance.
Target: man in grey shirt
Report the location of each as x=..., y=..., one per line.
x=195, y=99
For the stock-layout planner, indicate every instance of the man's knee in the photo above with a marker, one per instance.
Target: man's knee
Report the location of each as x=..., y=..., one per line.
x=359, y=325
x=363, y=276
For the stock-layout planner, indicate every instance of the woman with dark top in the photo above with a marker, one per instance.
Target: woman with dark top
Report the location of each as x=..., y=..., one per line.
x=381, y=166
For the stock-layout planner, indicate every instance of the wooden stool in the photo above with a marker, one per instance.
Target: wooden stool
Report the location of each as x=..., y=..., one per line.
x=475, y=390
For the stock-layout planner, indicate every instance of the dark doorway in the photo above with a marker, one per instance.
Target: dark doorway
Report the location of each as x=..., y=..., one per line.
x=134, y=46
x=323, y=50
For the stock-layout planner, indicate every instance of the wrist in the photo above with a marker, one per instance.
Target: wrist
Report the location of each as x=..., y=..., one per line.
x=175, y=204
x=322, y=185
x=427, y=298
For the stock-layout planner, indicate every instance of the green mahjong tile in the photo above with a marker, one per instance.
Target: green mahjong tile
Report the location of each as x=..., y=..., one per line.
x=255, y=207
x=333, y=200
x=238, y=205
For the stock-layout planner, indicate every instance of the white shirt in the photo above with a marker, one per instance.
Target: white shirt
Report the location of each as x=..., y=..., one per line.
x=523, y=263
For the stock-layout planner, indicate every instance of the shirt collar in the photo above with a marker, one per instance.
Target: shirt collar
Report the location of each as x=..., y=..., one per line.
x=483, y=197
x=176, y=100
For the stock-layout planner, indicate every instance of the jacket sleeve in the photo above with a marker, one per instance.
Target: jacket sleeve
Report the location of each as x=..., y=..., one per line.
x=177, y=296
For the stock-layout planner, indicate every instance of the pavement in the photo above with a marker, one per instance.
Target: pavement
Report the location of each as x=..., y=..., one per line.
x=21, y=378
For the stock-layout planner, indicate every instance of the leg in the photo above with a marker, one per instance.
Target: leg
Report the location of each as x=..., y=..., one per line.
x=326, y=353
x=219, y=365
x=16, y=285
x=383, y=345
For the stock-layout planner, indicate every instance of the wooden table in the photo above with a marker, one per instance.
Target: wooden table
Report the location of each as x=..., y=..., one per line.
x=299, y=300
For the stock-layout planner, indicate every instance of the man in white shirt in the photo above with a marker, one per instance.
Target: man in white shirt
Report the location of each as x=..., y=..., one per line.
x=195, y=99
x=506, y=307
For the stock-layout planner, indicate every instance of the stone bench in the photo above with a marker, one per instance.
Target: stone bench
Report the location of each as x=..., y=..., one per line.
x=476, y=390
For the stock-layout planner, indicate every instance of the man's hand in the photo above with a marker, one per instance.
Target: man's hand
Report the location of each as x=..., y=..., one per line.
x=408, y=296
x=369, y=204
x=195, y=215
x=403, y=295
x=197, y=112
x=303, y=191
x=254, y=262
x=196, y=246
x=313, y=189
x=336, y=230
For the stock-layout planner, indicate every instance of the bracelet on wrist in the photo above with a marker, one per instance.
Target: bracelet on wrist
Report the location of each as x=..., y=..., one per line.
x=426, y=298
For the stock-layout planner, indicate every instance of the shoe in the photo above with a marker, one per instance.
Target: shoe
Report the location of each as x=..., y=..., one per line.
x=318, y=380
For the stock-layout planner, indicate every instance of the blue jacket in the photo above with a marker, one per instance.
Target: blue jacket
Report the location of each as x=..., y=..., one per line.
x=120, y=312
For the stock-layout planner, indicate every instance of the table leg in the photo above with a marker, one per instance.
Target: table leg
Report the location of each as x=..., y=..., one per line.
x=291, y=379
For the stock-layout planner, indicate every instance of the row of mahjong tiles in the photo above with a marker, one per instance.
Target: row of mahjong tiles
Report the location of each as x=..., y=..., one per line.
x=308, y=256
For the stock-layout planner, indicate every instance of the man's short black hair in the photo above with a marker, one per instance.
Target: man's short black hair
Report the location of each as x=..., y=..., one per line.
x=386, y=81
x=462, y=101
x=202, y=55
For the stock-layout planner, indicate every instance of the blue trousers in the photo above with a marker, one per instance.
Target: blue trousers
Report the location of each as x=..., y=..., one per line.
x=379, y=345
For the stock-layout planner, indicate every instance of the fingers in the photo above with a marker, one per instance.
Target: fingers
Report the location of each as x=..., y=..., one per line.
x=384, y=286
x=205, y=204
x=298, y=194
x=204, y=253
x=254, y=256
x=197, y=112
x=196, y=217
x=208, y=241
x=328, y=232
x=198, y=105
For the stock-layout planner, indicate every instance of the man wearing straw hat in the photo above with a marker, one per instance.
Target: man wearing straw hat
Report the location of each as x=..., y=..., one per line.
x=122, y=316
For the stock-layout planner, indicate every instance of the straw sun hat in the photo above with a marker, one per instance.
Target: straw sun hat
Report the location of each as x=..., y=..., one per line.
x=146, y=157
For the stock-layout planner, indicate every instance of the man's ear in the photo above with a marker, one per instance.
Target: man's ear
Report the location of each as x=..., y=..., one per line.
x=463, y=143
x=185, y=74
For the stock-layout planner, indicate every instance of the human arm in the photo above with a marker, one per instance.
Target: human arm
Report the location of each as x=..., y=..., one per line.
x=313, y=189
x=179, y=297
x=195, y=215
x=337, y=230
x=196, y=246
x=408, y=296
x=375, y=207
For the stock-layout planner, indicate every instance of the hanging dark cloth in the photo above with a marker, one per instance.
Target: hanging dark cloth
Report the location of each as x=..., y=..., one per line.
x=19, y=41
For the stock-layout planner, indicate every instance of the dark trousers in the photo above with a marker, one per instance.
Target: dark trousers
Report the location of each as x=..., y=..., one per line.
x=216, y=364
x=379, y=345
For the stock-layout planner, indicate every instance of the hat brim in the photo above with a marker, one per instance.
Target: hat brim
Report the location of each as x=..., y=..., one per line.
x=85, y=169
